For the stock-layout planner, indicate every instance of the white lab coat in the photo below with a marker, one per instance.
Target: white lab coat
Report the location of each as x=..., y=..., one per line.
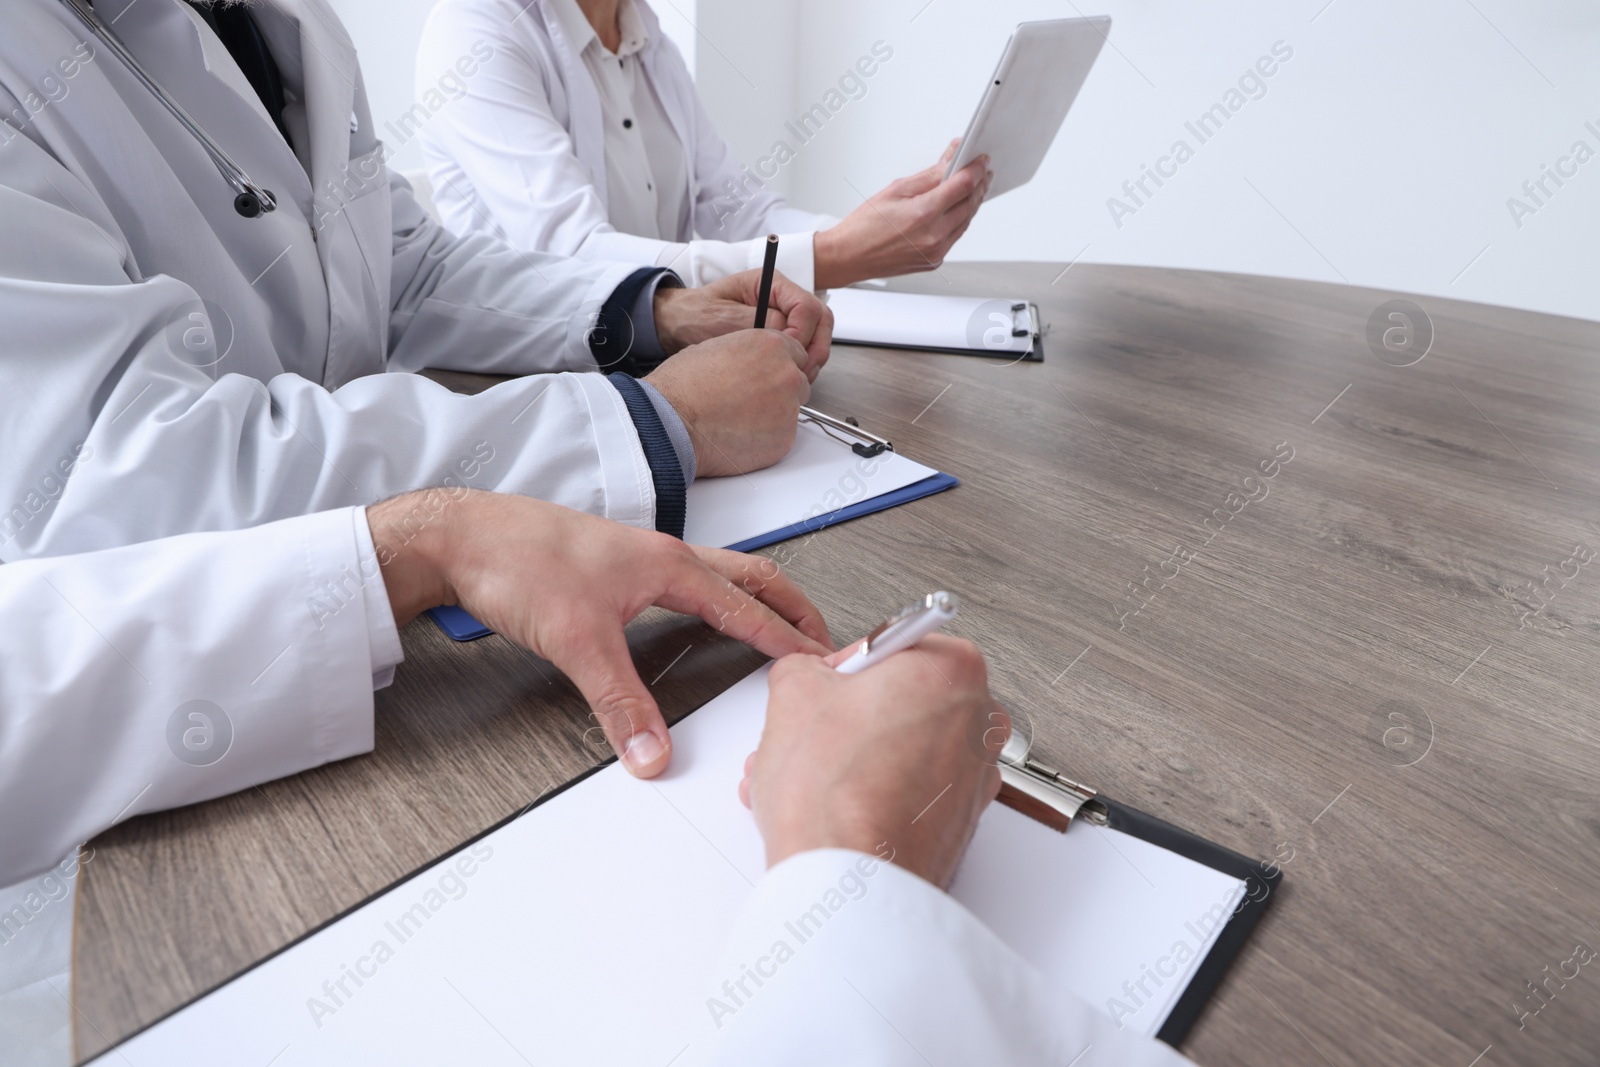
x=168, y=366
x=520, y=151
x=103, y=655
x=900, y=976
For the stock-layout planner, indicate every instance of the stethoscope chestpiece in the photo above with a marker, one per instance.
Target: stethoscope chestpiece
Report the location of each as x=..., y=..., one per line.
x=253, y=201
x=248, y=205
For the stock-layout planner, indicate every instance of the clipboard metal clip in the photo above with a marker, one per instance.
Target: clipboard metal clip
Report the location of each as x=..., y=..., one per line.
x=1044, y=793
x=866, y=445
x=1023, y=316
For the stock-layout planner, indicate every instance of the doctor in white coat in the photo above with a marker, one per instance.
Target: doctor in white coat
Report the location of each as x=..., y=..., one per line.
x=169, y=672
x=261, y=692
x=178, y=359
x=584, y=134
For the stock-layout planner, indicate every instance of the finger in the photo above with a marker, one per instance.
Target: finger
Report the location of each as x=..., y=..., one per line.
x=949, y=153
x=744, y=783
x=743, y=287
x=807, y=357
x=803, y=313
x=843, y=654
x=602, y=669
x=960, y=186
x=821, y=346
x=765, y=580
x=693, y=588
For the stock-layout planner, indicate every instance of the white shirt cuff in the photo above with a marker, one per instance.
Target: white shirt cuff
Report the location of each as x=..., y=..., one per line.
x=703, y=262
x=383, y=638
x=797, y=257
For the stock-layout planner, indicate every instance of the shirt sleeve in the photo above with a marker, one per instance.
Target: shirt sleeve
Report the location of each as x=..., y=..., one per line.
x=701, y=262
x=274, y=630
x=383, y=637
x=843, y=959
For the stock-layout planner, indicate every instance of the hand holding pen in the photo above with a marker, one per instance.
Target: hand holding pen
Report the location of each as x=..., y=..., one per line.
x=879, y=760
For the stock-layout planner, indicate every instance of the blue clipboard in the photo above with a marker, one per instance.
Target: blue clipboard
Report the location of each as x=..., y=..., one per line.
x=459, y=625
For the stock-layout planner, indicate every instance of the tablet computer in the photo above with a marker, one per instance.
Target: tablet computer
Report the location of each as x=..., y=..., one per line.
x=1039, y=75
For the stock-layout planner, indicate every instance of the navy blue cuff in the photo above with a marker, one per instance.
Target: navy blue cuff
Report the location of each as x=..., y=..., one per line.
x=672, y=495
x=619, y=341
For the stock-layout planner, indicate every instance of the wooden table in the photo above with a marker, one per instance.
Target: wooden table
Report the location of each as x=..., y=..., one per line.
x=1352, y=674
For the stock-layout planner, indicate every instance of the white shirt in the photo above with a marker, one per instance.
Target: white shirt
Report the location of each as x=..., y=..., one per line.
x=647, y=180
x=533, y=148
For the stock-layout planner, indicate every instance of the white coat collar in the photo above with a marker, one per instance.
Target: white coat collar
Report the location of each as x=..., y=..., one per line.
x=575, y=24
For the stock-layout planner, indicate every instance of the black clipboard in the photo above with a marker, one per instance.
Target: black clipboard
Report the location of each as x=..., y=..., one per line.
x=1230, y=942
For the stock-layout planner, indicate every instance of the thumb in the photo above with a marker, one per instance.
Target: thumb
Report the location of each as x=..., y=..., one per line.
x=605, y=675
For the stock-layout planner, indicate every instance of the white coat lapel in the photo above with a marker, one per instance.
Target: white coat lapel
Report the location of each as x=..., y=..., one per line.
x=677, y=99
x=318, y=59
x=352, y=212
x=583, y=100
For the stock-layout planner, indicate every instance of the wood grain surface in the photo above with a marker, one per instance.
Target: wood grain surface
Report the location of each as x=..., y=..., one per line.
x=1346, y=669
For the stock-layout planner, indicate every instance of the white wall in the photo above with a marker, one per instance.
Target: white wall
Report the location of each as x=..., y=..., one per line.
x=1383, y=153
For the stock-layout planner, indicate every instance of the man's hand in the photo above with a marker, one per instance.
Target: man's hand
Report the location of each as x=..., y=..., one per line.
x=563, y=585
x=882, y=762
x=688, y=316
x=739, y=396
x=908, y=227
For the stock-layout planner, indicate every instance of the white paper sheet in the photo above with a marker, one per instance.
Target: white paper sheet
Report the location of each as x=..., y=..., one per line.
x=818, y=476
x=917, y=320
x=584, y=932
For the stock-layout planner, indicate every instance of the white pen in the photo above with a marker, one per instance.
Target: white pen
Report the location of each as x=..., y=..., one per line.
x=902, y=631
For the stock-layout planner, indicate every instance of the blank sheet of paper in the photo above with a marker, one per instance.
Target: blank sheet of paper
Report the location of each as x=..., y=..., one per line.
x=587, y=930
x=819, y=475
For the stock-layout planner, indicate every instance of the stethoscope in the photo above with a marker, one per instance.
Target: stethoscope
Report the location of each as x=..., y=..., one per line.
x=250, y=200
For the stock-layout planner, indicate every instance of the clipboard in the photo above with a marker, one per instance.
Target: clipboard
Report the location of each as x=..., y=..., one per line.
x=684, y=835
x=1010, y=329
x=1049, y=797
x=836, y=472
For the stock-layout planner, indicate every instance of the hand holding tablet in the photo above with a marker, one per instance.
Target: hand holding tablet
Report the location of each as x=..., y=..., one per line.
x=1038, y=77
